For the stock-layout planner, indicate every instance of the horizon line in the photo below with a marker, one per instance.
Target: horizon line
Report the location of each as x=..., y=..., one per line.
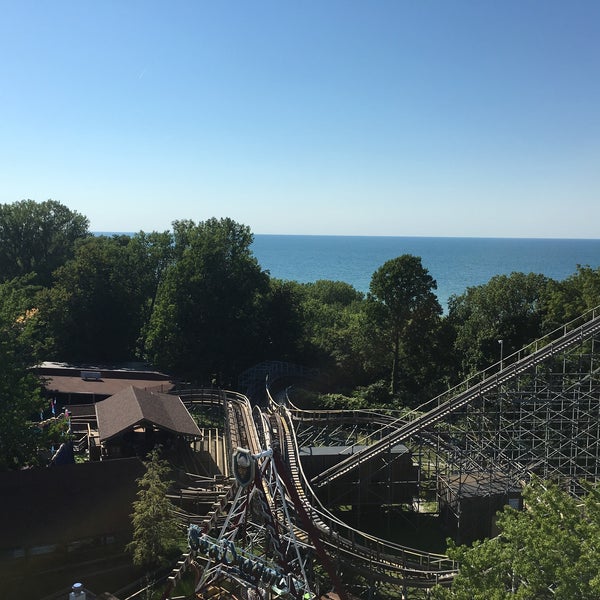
x=354, y=235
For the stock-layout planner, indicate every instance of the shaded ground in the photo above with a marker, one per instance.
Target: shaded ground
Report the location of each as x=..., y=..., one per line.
x=408, y=528
x=35, y=580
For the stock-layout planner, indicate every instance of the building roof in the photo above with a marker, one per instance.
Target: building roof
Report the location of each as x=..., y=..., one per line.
x=101, y=387
x=63, y=378
x=133, y=407
x=480, y=484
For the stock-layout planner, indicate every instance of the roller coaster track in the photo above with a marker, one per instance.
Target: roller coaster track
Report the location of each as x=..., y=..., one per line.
x=354, y=550
x=240, y=431
x=442, y=406
x=351, y=550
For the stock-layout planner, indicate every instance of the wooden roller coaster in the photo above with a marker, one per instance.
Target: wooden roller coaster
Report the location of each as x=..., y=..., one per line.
x=266, y=535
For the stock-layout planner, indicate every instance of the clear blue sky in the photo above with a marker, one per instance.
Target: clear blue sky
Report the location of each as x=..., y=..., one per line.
x=440, y=118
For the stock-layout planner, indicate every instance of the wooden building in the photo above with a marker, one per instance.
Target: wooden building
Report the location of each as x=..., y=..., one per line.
x=469, y=503
x=61, y=518
x=69, y=384
x=133, y=421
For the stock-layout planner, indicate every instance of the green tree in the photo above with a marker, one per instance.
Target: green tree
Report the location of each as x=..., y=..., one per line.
x=330, y=311
x=549, y=550
x=206, y=317
x=37, y=237
x=95, y=309
x=510, y=308
x=156, y=534
x=283, y=321
x=152, y=253
x=402, y=309
x=20, y=394
x=573, y=296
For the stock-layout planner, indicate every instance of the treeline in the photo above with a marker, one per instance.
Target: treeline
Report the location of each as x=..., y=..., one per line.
x=194, y=302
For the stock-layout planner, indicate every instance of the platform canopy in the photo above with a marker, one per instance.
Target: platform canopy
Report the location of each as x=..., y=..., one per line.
x=133, y=407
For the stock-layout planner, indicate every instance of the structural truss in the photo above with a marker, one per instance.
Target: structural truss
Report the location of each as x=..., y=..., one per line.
x=536, y=413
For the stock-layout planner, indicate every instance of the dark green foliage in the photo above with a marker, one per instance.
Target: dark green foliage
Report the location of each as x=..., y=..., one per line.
x=403, y=315
x=331, y=316
x=196, y=303
x=550, y=550
x=570, y=298
x=20, y=398
x=37, y=237
x=508, y=307
x=206, y=317
x=375, y=394
x=283, y=321
x=56, y=431
x=20, y=403
x=341, y=402
x=156, y=534
x=95, y=309
x=152, y=253
x=333, y=293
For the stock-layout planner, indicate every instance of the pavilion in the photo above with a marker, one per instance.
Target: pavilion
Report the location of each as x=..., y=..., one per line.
x=133, y=421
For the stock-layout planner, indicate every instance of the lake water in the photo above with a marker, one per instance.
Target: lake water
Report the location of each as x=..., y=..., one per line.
x=455, y=263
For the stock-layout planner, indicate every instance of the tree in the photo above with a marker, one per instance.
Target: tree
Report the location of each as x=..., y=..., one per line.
x=510, y=308
x=96, y=307
x=20, y=394
x=206, y=318
x=283, y=321
x=153, y=254
x=401, y=307
x=570, y=298
x=549, y=550
x=37, y=237
x=330, y=313
x=156, y=534
x=20, y=401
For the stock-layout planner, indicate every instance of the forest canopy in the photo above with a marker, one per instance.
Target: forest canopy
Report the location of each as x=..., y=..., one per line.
x=195, y=302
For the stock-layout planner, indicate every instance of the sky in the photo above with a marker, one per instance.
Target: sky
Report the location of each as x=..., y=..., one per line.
x=405, y=118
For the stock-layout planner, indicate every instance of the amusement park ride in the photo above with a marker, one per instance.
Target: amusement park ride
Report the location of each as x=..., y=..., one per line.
x=535, y=413
x=258, y=548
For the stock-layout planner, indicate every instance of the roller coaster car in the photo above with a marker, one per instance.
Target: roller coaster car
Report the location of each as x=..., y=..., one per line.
x=242, y=465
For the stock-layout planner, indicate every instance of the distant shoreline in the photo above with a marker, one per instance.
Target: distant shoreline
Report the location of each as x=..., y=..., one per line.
x=407, y=237
x=456, y=263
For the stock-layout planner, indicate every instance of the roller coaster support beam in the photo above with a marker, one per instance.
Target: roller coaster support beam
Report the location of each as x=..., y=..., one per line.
x=313, y=532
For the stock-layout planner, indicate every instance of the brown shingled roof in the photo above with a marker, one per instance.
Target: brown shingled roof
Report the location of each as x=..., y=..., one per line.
x=133, y=406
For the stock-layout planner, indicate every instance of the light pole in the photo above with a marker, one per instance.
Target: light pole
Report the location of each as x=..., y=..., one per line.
x=501, y=342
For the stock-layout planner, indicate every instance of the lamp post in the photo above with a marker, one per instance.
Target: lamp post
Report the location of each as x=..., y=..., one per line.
x=501, y=342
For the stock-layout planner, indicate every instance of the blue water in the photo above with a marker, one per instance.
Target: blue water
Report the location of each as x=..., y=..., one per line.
x=455, y=263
